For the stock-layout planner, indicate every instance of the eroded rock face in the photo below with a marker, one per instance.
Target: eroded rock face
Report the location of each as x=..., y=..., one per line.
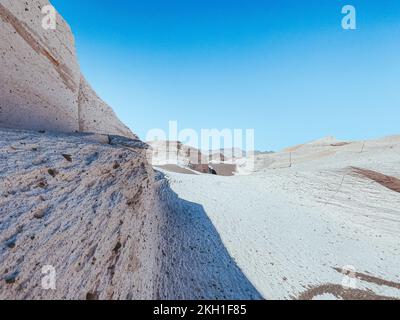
x=84, y=204
x=41, y=86
x=90, y=106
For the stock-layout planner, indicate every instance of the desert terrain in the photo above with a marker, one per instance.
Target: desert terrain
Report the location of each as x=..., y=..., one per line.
x=116, y=219
x=307, y=215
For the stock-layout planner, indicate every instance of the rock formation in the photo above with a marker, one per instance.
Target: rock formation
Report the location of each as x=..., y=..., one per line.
x=83, y=215
x=41, y=86
x=176, y=156
x=89, y=210
x=83, y=204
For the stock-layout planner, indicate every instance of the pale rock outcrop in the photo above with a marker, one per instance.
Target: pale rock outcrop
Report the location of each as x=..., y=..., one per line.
x=84, y=204
x=90, y=208
x=178, y=157
x=41, y=86
x=175, y=152
x=90, y=106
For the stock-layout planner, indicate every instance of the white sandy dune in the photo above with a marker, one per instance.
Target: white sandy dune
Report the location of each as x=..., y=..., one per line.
x=294, y=226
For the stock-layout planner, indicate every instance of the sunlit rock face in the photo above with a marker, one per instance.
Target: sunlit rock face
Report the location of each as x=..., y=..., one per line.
x=84, y=206
x=41, y=86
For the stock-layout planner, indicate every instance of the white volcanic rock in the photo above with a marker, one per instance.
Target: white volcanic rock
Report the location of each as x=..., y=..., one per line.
x=86, y=208
x=97, y=116
x=91, y=207
x=41, y=86
x=88, y=204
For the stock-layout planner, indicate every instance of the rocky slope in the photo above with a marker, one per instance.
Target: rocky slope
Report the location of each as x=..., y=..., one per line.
x=41, y=86
x=91, y=207
x=86, y=209
x=83, y=204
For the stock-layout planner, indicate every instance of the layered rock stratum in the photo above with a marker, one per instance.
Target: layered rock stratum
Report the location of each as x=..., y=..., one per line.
x=41, y=85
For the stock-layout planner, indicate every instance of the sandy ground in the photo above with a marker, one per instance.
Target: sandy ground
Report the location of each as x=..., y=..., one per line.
x=195, y=263
x=294, y=232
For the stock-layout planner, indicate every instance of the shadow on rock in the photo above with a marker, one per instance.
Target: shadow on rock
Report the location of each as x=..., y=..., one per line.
x=194, y=262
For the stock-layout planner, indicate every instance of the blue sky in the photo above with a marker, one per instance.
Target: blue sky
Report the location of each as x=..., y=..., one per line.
x=285, y=68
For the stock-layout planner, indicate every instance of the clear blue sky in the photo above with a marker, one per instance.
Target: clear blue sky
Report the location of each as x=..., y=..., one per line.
x=285, y=68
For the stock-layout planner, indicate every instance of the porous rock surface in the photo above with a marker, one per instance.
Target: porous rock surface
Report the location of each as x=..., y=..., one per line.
x=41, y=85
x=84, y=204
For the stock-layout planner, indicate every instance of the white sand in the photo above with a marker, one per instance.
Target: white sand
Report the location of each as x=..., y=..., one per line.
x=288, y=228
